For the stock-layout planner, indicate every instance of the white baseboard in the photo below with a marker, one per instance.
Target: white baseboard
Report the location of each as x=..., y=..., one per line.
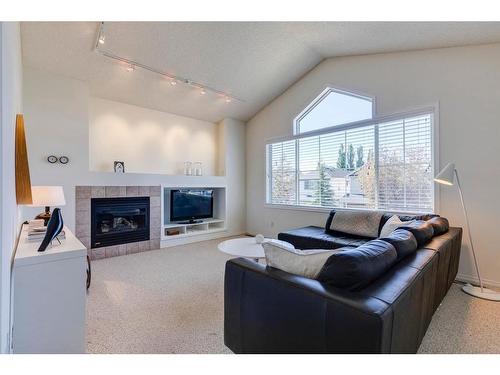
x=475, y=280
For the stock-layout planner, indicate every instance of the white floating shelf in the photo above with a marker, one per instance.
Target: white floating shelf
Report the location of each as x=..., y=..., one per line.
x=205, y=221
x=193, y=229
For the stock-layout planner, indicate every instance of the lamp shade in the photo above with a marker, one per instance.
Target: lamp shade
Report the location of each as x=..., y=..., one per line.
x=447, y=175
x=47, y=196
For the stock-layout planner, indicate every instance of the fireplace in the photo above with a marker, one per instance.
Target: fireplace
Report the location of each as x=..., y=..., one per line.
x=116, y=221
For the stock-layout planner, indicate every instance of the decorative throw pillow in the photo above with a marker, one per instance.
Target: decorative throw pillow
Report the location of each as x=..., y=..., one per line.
x=359, y=223
x=392, y=224
x=307, y=263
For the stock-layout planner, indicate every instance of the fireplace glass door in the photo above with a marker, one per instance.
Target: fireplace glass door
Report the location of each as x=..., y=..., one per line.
x=117, y=221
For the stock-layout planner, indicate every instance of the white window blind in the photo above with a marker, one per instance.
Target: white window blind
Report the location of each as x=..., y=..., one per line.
x=405, y=164
x=283, y=174
x=384, y=165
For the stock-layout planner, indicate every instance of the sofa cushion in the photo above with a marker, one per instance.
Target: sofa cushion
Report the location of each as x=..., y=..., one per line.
x=403, y=241
x=393, y=283
x=440, y=225
x=307, y=263
x=355, y=268
x=315, y=238
x=359, y=223
x=391, y=225
x=422, y=230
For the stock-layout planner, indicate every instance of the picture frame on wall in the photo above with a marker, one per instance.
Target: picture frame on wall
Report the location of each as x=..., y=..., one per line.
x=119, y=167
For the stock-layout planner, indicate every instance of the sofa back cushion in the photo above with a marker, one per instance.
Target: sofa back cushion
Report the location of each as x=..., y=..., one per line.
x=358, y=223
x=403, y=241
x=440, y=225
x=388, y=215
x=356, y=268
x=422, y=230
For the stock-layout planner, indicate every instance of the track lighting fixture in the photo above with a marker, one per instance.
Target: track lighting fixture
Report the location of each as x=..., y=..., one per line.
x=174, y=80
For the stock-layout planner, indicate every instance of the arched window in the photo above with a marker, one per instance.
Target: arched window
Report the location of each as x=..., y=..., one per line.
x=333, y=107
x=341, y=155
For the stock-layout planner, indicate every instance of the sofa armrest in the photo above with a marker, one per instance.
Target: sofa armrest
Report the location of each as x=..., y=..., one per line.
x=271, y=311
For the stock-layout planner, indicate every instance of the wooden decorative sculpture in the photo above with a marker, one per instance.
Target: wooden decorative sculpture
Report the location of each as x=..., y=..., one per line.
x=23, y=182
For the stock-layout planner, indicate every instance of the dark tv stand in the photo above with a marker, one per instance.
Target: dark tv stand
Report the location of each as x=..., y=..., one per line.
x=191, y=221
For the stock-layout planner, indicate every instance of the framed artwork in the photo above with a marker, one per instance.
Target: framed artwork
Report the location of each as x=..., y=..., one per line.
x=119, y=167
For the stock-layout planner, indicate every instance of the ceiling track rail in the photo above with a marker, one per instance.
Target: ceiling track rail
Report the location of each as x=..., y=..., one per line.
x=174, y=79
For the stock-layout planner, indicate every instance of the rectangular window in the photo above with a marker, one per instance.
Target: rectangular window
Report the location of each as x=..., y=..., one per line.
x=378, y=164
x=282, y=181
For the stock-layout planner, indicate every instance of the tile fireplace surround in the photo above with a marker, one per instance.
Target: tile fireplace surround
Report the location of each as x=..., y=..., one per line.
x=83, y=195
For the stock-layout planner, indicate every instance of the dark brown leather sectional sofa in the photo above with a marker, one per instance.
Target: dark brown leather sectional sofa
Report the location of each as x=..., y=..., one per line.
x=271, y=311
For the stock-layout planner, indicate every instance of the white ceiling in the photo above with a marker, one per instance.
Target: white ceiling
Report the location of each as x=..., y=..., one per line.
x=254, y=61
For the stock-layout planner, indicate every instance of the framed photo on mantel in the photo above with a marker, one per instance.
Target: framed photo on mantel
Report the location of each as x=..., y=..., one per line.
x=119, y=167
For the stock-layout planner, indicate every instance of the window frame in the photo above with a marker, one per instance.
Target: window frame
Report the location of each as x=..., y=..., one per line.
x=319, y=98
x=432, y=109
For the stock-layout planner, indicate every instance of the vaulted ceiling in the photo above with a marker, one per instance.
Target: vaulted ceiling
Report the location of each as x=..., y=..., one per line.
x=254, y=61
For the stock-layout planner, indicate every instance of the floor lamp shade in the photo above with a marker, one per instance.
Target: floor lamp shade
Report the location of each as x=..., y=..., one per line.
x=447, y=175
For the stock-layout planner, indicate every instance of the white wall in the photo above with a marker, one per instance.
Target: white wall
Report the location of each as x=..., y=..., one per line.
x=57, y=122
x=232, y=165
x=466, y=83
x=148, y=141
x=11, y=104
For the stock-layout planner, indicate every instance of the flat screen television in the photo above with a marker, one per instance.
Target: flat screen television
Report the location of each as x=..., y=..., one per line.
x=191, y=204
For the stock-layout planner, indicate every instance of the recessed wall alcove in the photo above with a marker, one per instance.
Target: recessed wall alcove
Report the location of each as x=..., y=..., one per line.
x=148, y=141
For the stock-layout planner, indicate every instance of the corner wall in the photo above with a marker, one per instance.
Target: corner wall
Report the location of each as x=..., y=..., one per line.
x=231, y=163
x=11, y=104
x=465, y=81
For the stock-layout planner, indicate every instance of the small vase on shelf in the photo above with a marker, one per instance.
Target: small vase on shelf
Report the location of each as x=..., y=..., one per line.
x=198, y=169
x=188, y=169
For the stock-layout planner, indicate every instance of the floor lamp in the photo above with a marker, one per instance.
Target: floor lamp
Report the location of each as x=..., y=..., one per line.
x=447, y=177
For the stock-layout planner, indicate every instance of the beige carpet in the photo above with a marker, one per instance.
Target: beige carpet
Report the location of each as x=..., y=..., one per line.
x=171, y=301
x=463, y=324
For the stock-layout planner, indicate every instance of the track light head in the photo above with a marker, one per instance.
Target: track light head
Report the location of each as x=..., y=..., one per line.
x=130, y=68
x=102, y=39
x=173, y=82
x=228, y=99
x=203, y=91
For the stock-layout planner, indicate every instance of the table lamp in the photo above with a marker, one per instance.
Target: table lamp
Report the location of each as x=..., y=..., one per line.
x=47, y=196
x=447, y=176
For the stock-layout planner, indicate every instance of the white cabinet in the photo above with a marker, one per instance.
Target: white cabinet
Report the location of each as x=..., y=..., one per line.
x=49, y=296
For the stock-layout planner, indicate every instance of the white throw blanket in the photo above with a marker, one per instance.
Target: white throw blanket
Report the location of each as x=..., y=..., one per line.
x=359, y=223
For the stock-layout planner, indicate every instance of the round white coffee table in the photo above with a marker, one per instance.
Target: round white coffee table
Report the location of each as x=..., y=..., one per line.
x=245, y=247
